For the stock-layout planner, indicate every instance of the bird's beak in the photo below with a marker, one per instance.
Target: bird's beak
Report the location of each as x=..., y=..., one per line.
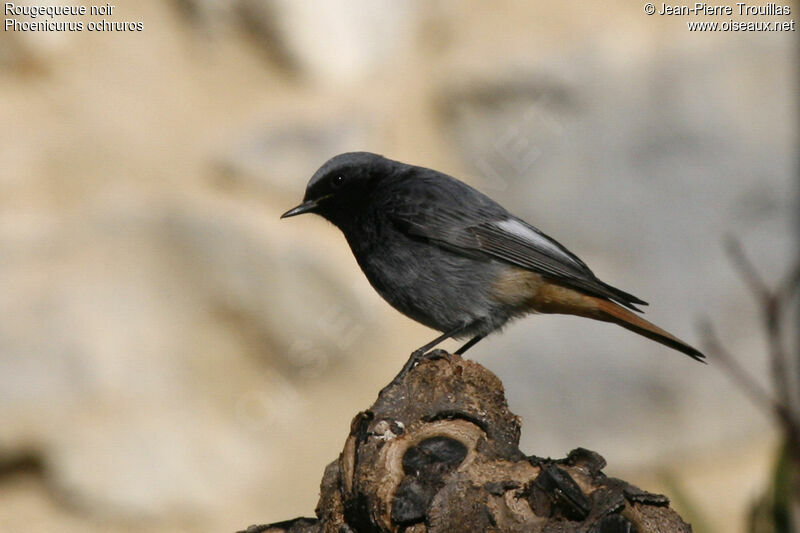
x=305, y=207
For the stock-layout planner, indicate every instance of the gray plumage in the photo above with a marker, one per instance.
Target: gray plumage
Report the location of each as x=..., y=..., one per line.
x=436, y=248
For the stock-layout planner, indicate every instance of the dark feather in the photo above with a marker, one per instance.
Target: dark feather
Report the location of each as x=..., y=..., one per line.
x=475, y=228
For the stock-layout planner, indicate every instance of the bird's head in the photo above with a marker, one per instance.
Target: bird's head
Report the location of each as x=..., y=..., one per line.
x=339, y=189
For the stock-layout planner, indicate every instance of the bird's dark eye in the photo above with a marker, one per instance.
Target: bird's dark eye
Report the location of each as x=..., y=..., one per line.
x=337, y=181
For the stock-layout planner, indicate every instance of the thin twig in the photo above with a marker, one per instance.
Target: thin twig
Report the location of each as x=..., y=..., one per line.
x=716, y=351
x=772, y=303
x=746, y=269
x=790, y=283
x=758, y=395
x=772, y=306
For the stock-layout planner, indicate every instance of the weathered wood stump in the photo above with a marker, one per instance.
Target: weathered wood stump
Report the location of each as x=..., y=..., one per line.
x=438, y=453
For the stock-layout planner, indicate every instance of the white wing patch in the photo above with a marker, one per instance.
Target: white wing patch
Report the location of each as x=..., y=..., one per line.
x=536, y=239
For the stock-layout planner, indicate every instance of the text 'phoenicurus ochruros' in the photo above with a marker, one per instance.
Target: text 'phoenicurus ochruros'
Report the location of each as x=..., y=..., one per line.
x=452, y=258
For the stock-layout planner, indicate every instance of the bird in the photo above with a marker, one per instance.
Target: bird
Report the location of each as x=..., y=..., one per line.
x=449, y=257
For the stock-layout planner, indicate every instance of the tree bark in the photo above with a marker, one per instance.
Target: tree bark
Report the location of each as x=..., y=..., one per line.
x=438, y=453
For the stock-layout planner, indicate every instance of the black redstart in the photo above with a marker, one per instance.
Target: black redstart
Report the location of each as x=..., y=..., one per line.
x=452, y=258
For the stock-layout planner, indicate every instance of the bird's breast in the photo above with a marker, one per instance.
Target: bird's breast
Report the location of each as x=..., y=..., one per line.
x=432, y=285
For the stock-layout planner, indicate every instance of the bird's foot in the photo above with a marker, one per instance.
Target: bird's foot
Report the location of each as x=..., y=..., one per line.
x=433, y=355
x=417, y=356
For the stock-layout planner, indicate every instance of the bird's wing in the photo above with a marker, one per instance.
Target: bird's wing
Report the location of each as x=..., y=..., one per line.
x=479, y=226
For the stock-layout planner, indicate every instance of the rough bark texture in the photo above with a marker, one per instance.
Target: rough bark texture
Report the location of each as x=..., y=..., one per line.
x=438, y=453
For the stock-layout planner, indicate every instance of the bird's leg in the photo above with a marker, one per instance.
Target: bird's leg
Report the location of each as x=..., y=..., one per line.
x=422, y=353
x=469, y=344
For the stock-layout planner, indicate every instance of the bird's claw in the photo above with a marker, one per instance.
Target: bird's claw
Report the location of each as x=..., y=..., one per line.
x=417, y=356
x=433, y=355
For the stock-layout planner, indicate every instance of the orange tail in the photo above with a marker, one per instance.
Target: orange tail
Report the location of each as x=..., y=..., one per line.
x=611, y=312
x=552, y=298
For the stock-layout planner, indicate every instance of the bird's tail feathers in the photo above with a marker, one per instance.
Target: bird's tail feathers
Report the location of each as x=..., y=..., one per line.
x=624, y=298
x=611, y=312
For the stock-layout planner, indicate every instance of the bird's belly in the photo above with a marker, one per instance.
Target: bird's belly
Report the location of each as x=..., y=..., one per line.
x=435, y=287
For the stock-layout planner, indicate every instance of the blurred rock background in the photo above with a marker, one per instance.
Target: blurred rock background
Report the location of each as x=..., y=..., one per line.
x=175, y=358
